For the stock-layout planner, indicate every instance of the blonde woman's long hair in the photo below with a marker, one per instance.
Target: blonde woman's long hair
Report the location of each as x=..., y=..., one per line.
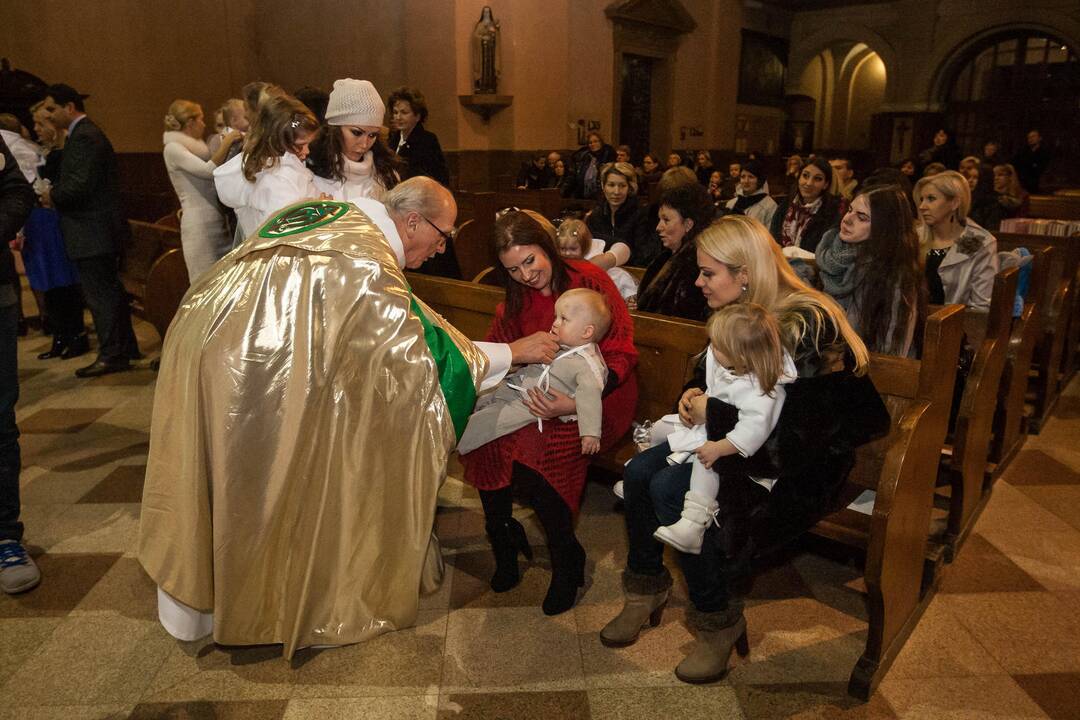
x=743, y=243
x=180, y=111
x=951, y=185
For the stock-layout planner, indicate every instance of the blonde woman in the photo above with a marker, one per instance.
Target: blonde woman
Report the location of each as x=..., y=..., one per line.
x=960, y=256
x=618, y=220
x=204, y=232
x=831, y=408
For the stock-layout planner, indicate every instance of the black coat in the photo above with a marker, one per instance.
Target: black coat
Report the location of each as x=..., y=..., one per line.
x=673, y=292
x=826, y=218
x=579, y=164
x=422, y=154
x=16, y=202
x=629, y=226
x=87, y=194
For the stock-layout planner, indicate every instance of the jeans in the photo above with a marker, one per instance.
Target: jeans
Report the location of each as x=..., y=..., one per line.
x=653, y=494
x=10, y=462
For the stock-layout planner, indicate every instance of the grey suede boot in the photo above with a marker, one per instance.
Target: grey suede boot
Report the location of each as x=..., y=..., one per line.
x=645, y=598
x=715, y=633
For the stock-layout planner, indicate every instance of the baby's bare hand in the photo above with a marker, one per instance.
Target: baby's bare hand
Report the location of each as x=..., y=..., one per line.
x=590, y=445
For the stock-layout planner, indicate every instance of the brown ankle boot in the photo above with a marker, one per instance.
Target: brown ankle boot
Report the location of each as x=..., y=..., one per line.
x=715, y=634
x=645, y=598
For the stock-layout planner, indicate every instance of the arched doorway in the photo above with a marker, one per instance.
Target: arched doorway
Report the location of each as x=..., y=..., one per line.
x=847, y=80
x=1013, y=82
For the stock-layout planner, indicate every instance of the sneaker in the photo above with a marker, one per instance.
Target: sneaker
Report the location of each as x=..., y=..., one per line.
x=18, y=571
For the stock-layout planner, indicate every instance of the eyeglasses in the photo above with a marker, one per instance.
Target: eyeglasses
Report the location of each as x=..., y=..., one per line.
x=447, y=236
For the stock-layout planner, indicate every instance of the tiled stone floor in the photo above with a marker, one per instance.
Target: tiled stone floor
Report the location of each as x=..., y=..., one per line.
x=1000, y=640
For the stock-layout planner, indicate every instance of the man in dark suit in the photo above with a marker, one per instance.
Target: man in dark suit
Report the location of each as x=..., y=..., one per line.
x=87, y=196
x=18, y=573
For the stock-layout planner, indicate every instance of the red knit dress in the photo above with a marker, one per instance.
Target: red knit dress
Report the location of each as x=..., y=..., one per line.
x=555, y=453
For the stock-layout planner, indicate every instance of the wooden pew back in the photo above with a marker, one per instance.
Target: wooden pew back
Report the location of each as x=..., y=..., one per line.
x=1054, y=207
x=147, y=242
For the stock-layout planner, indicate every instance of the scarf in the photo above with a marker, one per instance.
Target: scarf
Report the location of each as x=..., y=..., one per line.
x=198, y=148
x=836, y=268
x=796, y=219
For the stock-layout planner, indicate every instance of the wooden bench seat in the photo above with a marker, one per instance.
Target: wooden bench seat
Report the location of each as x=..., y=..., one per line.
x=963, y=461
x=1010, y=416
x=146, y=243
x=1054, y=207
x=901, y=467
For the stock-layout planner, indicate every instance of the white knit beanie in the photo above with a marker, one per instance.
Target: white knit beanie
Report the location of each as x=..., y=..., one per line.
x=355, y=102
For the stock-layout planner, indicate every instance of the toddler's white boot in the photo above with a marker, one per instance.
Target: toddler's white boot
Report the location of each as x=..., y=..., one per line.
x=687, y=532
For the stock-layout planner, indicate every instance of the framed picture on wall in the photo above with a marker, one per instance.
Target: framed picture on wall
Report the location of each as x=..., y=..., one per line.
x=762, y=69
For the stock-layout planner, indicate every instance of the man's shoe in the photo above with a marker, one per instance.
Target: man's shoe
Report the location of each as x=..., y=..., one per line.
x=79, y=346
x=57, y=350
x=103, y=367
x=18, y=571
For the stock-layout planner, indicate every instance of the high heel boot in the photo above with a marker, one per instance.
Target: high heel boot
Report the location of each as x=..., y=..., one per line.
x=567, y=555
x=645, y=597
x=715, y=633
x=507, y=539
x=506, y=536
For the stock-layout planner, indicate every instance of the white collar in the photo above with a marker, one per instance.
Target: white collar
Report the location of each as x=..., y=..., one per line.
x=76, y=121
x=378, y=214
x=196, y=147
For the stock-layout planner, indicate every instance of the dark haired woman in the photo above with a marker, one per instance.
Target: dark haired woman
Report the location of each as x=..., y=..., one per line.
x=418, y=147
x=870, y=266
x=668, y=285
x=810, y=210
x=350, y=160
x=547, y=468
x=586, y=164
x=944, y=151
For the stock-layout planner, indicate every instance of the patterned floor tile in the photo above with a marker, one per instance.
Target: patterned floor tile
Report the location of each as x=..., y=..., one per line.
x=56, y=420
x=202, y=710
x=67, y=712
x=650, y=661
x=1055, y=693
x=806, y=701
x=517, y=705
x=974, y=698
x=486, y=651
x=123, y=485
x=924, y=655
x=981, y=567
x=1035, y=467
x=422, y=707
x=125, y=590
x=65, y=581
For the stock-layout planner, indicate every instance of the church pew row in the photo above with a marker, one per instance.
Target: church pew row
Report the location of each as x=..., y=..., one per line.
x=963, y=460
x=1055, y=358
x=145, y=243
x=1010, y=416
x=900, y=468
x=1054, y=207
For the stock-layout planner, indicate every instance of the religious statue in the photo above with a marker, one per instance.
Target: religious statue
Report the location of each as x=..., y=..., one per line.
x=486, y=61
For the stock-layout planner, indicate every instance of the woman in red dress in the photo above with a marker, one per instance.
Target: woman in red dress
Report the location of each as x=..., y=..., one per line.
x=547, y=468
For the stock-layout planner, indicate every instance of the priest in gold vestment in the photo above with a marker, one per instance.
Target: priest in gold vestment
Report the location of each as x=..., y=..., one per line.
x=305, y=409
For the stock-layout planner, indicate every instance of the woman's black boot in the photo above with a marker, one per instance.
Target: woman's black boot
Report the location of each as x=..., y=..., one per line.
x=506, y=535
x=507, y=539
x=567, y=555
x=55, y=351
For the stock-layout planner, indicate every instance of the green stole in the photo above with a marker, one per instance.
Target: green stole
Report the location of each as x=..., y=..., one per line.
x=455, y=379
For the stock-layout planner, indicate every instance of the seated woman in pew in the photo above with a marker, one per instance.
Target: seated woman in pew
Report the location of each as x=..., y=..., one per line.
x=809, y=211
x=668, y=285
x=547, y=468
x=960, y=256
x=831, y=408
x=1007, y=200
x=870, y=266
x=617, y=219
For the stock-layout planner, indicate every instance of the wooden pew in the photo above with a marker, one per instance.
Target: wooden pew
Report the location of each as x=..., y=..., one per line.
x=166, y=284
x=963, y=461
x=147, y=242
x=546, y=201
x=1054, y=207
x=1060, y=326
x=1010, y=418
x=901, y=467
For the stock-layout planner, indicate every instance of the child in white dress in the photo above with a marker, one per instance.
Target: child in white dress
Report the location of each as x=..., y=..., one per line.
x=576, y=241
x=746, y=367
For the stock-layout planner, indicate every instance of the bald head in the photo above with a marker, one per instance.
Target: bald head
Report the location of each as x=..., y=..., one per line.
x=423, y=212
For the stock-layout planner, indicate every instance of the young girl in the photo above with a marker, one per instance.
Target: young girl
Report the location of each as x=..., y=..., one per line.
x=576, y=241
x=274, y=155
x=746, y=366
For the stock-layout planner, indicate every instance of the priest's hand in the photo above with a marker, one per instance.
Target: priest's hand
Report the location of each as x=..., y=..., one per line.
x=539, y=347
x=549, y=405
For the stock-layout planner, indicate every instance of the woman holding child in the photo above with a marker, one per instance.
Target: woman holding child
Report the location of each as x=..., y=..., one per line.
x=830, y=409
x=547, y=467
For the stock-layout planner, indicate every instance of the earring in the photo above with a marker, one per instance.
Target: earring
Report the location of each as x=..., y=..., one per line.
x=745, y=288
